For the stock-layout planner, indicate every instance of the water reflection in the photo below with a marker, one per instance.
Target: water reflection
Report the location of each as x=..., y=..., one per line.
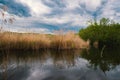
x=109, y=62
x=109, y=59
x=57, y=58
x=60, y=65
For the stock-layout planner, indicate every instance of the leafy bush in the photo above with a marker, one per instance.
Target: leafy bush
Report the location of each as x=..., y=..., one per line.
x=106, y=32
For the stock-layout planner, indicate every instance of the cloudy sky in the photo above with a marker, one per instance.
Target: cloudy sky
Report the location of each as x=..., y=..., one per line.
x=47, y=16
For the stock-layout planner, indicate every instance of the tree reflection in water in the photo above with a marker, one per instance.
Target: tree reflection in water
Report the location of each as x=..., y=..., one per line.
x=109, y=59
x=54, y=65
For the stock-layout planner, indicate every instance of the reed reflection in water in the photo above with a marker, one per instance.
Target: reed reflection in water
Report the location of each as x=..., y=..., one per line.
x=60, y=65
x=11, y=62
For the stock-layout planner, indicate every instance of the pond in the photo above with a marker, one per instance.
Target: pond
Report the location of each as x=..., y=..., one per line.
x=60, y=65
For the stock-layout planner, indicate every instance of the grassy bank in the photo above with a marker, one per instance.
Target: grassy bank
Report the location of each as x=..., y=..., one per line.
x=30, y=41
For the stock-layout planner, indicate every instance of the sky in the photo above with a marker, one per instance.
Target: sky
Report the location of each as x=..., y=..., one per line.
x=47, y=16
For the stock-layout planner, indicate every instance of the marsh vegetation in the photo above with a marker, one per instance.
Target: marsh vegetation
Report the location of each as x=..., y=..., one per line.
x=32, y=41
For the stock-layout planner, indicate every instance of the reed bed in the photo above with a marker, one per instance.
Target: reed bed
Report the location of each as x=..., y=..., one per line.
x=68, y=41
x=30, y=41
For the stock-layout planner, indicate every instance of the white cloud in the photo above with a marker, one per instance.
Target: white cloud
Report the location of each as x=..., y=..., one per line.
x=74, y=13
x=36, y=6
x=109, y=10
x=72, y=4
x=91, y=5
x=70, y=18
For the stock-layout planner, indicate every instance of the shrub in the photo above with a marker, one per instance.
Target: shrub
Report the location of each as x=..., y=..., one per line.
x=106, y=32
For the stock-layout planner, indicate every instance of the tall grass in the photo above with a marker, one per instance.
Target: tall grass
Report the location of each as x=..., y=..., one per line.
x=30, y=41
x=68, y=41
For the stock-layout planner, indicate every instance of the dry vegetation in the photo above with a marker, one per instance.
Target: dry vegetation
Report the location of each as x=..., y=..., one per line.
x=29, y=41
x=68, y=41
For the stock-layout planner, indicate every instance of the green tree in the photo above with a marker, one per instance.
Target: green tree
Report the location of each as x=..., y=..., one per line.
x=106, y=32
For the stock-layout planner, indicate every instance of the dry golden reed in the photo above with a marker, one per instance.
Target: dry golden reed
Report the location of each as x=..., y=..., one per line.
x=68, y=41
x=30, y=41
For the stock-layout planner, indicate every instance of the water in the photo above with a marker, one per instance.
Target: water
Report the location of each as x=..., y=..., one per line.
x=60, y=65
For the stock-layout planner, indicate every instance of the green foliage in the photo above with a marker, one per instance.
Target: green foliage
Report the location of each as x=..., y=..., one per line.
x=106, y=32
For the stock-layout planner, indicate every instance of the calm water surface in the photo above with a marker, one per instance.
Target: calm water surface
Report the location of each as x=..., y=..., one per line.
x=60, y=65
